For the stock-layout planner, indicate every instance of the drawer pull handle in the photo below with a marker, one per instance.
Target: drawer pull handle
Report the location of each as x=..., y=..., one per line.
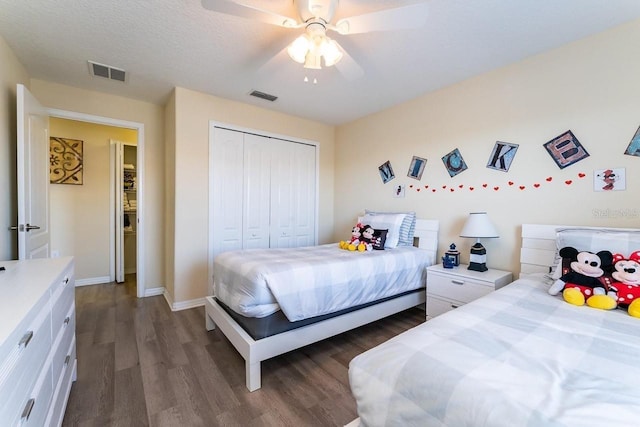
x=67, y=359
x=66, y=320
x=27, y=409
x=458, y=282
x=26, y=338
x=454, y=306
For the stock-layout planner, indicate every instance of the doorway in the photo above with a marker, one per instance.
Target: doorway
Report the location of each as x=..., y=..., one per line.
x=106, y=258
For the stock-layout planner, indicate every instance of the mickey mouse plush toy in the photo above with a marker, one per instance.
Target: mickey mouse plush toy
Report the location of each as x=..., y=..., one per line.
x=585, y=281
x=627, y=281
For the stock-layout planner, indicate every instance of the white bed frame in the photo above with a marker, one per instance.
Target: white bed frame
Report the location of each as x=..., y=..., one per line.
x=537, y=254
x=255, y=351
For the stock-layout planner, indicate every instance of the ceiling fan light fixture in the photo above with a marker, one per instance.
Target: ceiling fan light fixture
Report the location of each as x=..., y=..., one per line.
x=299, y=48
x=312, y=61
x=331, y=52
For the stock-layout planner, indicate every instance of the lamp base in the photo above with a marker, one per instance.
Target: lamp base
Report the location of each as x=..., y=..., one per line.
x=478, y=258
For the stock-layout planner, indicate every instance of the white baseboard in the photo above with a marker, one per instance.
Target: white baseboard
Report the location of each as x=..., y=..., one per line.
x=183, y=305
x=93, y=281
x=152, y=292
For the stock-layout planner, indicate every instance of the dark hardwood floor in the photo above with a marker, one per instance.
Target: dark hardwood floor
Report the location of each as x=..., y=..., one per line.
x=140, y=364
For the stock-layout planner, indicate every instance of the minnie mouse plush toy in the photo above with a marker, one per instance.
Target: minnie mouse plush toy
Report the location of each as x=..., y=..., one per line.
x=627, y=275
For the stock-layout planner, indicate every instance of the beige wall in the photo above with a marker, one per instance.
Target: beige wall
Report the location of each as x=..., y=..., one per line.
x=11, y=73
x=80, y=214
x=67, y=98
x=193, y=111
x=590, y=87
x=170, y=191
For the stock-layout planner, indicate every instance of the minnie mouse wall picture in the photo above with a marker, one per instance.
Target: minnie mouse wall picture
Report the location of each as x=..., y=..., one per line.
x=609, y=179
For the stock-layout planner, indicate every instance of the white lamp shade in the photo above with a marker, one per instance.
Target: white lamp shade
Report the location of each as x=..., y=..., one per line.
x=479, y=225
x=331, y=52
x=298, y=49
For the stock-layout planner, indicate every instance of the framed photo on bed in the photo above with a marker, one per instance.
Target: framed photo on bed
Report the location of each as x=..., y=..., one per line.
x=416, y=168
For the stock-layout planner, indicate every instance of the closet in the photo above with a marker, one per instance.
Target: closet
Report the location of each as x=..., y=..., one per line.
x=263, y=192
x=126, y=209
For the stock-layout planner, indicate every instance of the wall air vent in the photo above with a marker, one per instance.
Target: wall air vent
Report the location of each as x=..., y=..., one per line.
x=263, y=95
x=107, y=71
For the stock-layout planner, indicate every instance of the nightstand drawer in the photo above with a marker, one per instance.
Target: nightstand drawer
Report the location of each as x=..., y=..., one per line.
x=458, y=288
x=437, y=306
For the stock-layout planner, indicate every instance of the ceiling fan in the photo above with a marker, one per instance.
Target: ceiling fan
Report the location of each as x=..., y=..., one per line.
x=316, y=17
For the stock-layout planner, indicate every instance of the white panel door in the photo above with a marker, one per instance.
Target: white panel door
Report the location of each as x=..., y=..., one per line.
x=304, y=194
x=227, y=182
x=257, y=175
x=283, y=188
x=33, y=177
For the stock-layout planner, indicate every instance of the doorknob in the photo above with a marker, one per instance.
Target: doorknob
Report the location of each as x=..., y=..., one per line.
x=32, y=227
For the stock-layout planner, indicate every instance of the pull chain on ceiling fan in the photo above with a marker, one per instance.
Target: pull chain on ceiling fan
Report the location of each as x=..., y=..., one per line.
x=316, y=17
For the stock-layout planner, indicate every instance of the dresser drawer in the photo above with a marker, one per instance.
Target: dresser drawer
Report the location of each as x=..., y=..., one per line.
x=63, y=296
x=62, y=389
x=35, y=407
x=458, y=288
x=63, y=340
x=21, y=368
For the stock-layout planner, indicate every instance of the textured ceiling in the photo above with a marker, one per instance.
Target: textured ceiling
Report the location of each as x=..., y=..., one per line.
x=167, y=43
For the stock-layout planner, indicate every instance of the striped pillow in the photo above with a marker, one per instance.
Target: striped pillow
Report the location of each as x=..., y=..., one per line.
x=407, y=228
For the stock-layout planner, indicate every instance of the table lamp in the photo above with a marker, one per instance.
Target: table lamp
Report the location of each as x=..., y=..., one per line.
x=478, y=226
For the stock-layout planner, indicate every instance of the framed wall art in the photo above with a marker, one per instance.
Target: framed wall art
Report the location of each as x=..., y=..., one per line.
x=416, y=168
x=386, y=172
x=454, y=163
x=634, y=146
x=502, y=155
x=566, y=150
x=611, y=179
x=65, y=161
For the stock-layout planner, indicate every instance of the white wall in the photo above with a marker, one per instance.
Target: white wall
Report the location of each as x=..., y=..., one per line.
x=11, y=73
x=193, y=111
x=590, y=87
x=80, y=214
x=67, y=98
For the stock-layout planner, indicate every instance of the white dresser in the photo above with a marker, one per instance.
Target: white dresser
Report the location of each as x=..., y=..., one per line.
x=37, y=341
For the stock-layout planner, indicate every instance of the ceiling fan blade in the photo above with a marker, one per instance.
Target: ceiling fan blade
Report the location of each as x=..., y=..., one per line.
x=235, y=8
x=348, y=66
x=405, y=17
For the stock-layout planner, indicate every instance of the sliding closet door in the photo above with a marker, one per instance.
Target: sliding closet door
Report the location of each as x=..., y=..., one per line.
x=293, y=196
x=227, y=181
x=257, y=172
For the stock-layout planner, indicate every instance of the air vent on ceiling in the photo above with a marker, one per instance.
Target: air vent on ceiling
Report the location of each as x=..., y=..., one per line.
x=107, y=71
x=263, y=95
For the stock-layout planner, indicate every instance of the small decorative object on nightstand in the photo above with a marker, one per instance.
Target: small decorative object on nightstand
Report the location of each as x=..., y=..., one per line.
x=453, y=254
x=449, y=288
x=478, y=226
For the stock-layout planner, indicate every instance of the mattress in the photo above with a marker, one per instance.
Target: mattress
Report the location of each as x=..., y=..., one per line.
x=516, y=357
x=316, y=280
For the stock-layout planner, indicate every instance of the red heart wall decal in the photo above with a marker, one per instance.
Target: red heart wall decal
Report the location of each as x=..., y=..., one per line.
x=444, y=186
x=581, y=175
x=417, y=189
x=484, y=185
x=452, y=190
x=536, y=185
x=496, y=188
x=549, y=179
x=411, y=186
x=510, y=182
x=522, y=187
x=426, y=186
x=433, y=189
x=568, y=182
x=470, y=188
x=460, y=186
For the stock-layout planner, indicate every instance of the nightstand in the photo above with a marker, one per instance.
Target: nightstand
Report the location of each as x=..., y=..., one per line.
x=449, y=288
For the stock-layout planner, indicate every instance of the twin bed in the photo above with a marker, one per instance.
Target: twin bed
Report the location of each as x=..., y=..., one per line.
x=516, y=357
x=271, y=301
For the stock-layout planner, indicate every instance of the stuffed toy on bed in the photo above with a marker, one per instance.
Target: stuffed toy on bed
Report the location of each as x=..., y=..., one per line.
x=626, y=275
x=357, y=242
x=587, y=281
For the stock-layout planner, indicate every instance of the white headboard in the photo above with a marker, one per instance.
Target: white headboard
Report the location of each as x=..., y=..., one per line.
x=425, y=235
x=538, y=250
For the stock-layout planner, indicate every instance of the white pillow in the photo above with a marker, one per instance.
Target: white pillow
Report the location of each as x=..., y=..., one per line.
x=391, y=222
x=613, y=240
